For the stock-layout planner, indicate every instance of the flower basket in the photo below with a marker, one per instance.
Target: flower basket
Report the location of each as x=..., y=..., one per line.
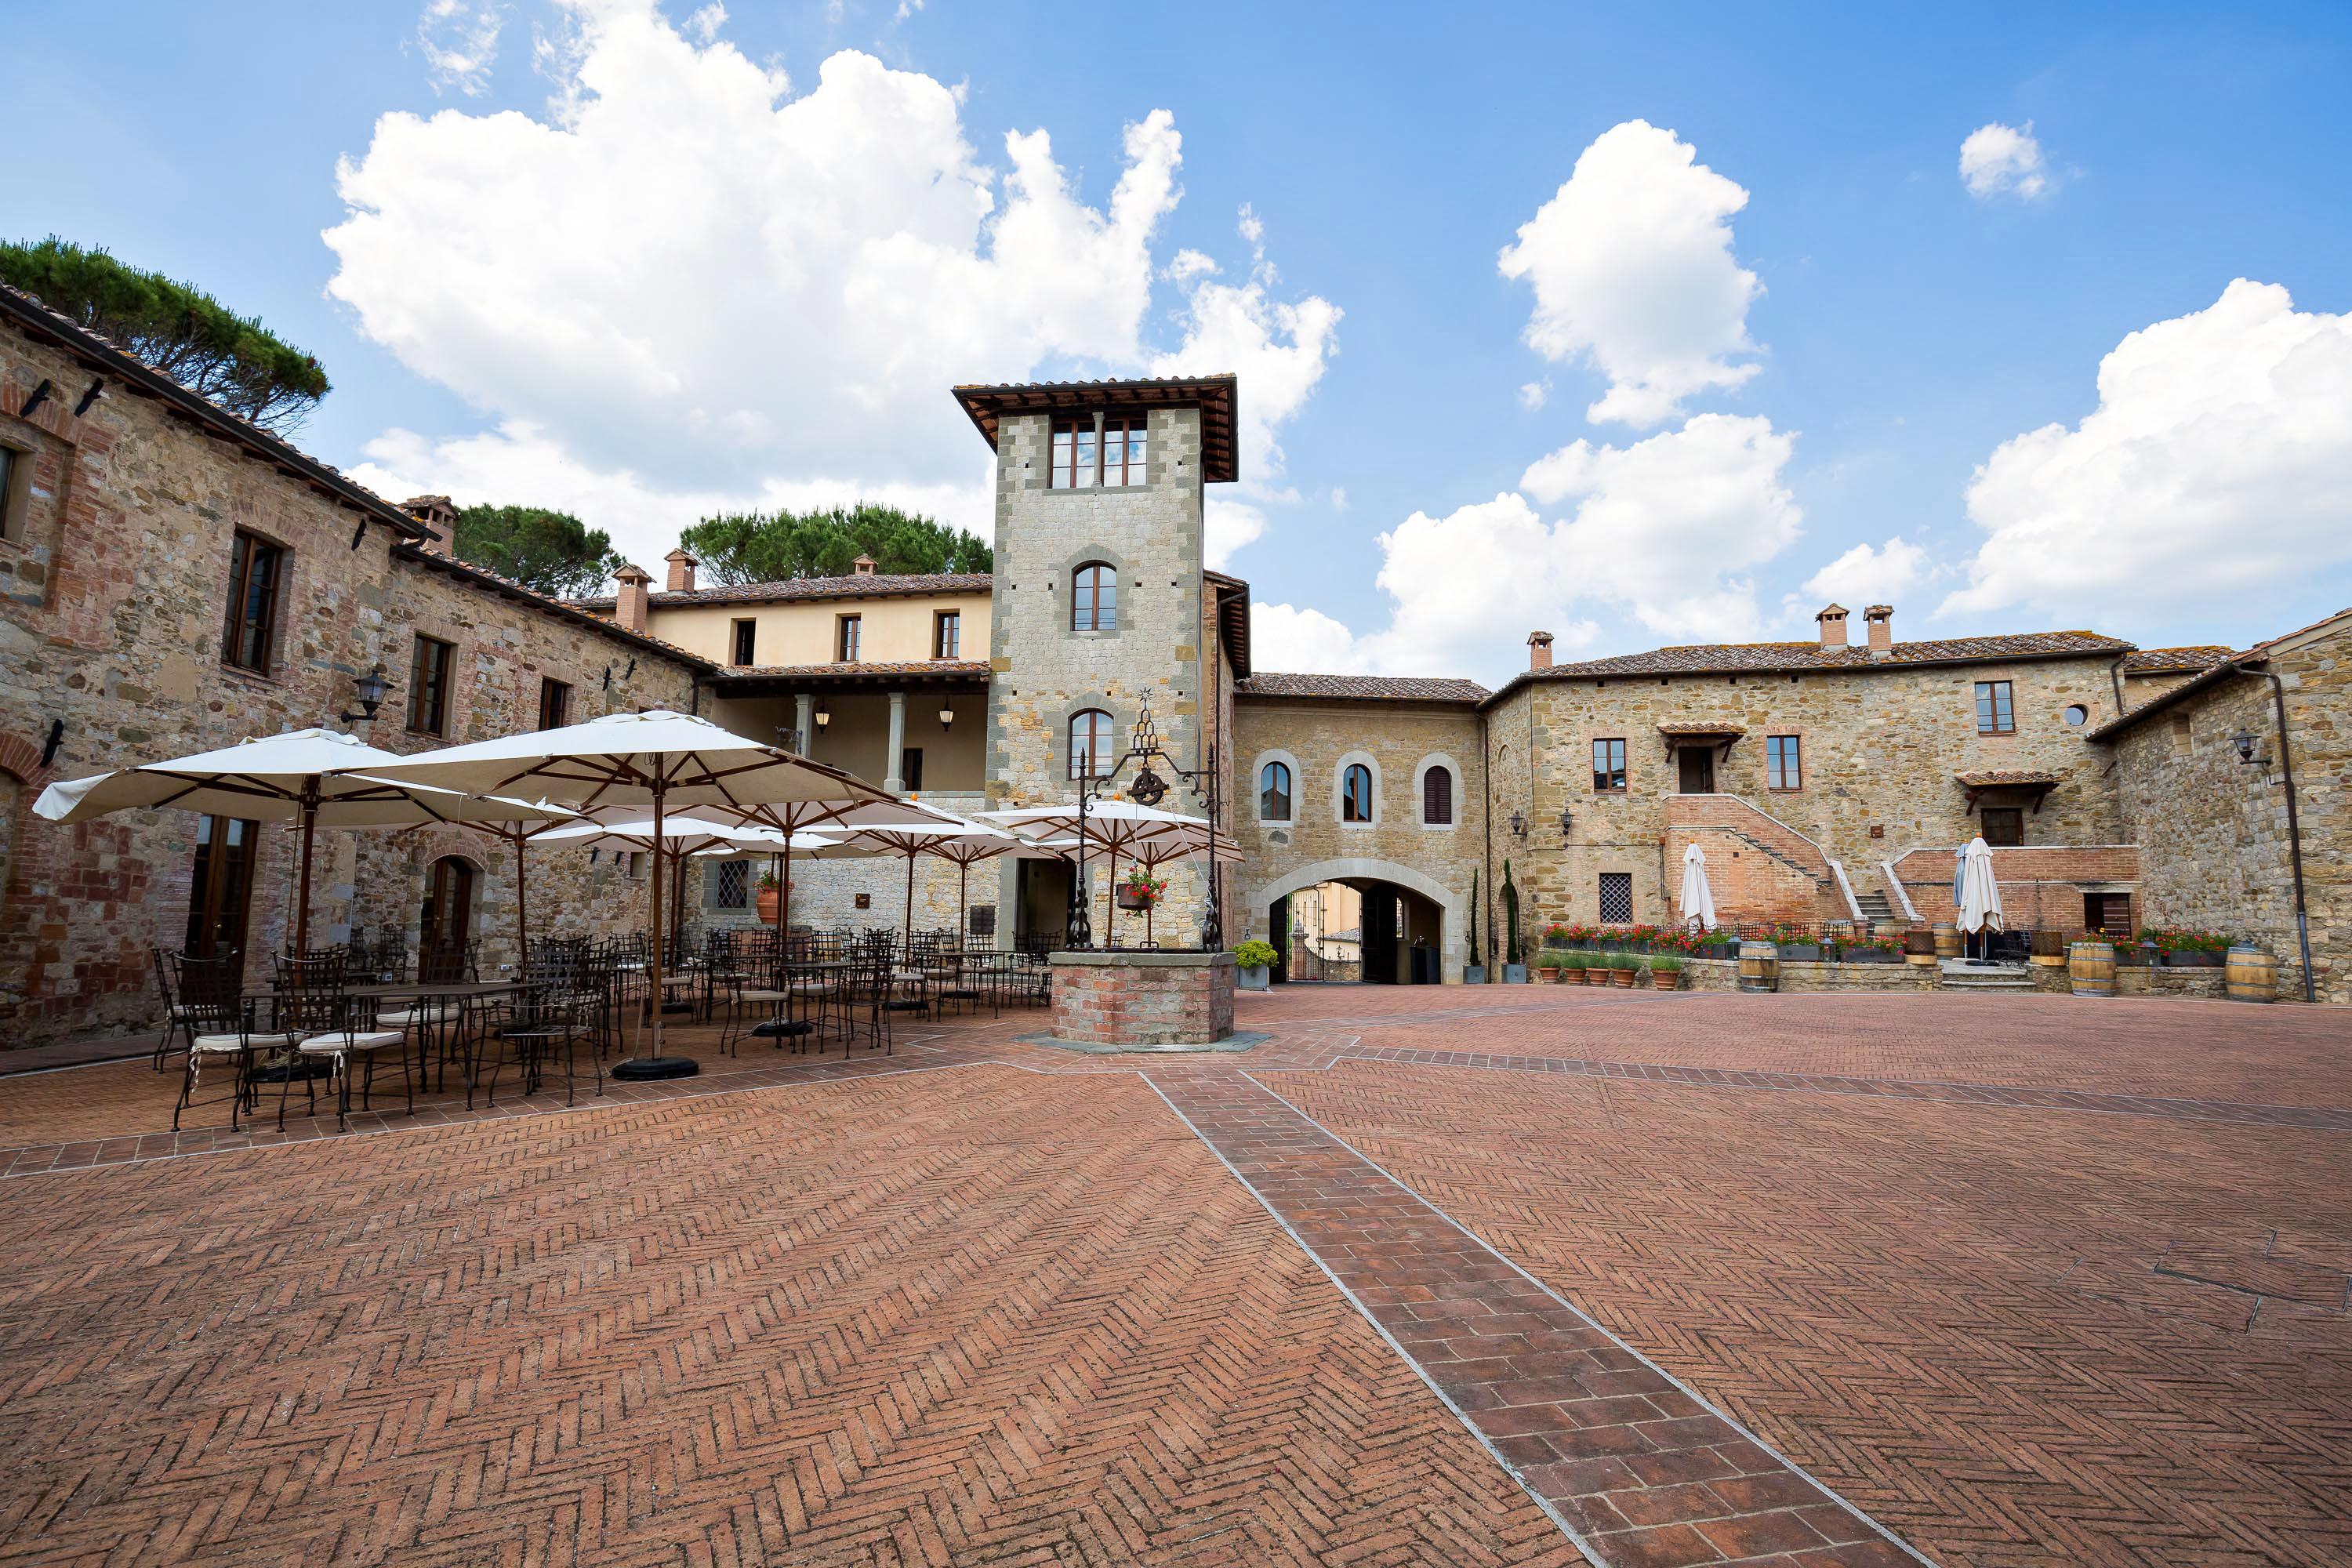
x=1134, y=897
x=1141, y=890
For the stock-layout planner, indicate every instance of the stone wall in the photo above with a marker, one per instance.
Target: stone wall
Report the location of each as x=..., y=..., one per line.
x=1043, y=672
x=1723, y=974
x=1143, y=998
x=1399, y=741
x=2040, y=888
x=1880, y=745
x=2213, y=831
x=112, y=600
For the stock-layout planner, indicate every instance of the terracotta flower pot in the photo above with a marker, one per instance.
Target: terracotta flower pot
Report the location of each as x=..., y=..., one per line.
x=770, y=902
x=1134, y=898
x=1572, y=976
x=1621, y=978
x=1664, y=979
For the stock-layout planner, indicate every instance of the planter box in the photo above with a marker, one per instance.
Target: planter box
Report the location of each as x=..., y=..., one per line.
x=1515, y=975
x=1255, y=979
x=1800, y=952
x=1474, y=974
x=2192, y=960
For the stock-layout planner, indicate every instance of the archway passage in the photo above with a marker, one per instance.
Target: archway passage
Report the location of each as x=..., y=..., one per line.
x=1361, y=929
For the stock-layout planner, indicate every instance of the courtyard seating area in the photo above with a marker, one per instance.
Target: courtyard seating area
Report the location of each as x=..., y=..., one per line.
x=1524, y=1275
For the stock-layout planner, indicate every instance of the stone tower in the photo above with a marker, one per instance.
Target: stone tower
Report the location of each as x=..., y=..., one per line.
x=1101, y=606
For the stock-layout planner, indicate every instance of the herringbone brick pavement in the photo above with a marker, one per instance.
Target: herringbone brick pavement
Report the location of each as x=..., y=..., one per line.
x=979, y=1316
x=2015, y=1336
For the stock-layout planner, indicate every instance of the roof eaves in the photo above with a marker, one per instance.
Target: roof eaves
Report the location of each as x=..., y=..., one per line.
x=102, y=353
x=2187, y=688
x=509, y=589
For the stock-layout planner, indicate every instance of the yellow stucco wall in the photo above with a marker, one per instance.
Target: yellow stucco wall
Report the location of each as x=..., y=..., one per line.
x=893, y=629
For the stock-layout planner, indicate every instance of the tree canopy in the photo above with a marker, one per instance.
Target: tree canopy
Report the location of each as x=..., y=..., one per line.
x=552, y=552
x=174, y=327
x=766, y=547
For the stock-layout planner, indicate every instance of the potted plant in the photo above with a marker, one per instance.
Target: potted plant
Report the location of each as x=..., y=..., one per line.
x=1475, y=971
x=770, y=901
x=1514, y=963
x=1572, y=968
x=1797, y=944
x=1623, y=970
x=1139, y=890
x=1255, y=959
x=2189, y=949
x=1666, y=972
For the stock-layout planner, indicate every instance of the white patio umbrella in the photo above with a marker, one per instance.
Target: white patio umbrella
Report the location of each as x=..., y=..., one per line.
x=957, y=839
x=659, y=760
x=318, y=778
x=1698, y=901
x=1980, y=894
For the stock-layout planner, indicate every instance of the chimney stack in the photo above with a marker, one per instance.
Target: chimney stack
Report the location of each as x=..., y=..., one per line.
x=681, y=572
x=1882, y=628
x=1832, y=620
x=629, y=605
x=863, y=565
x=440, y=517
x=1538, y=650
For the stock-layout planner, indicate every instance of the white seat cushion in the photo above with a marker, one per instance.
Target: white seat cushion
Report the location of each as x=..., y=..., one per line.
x=762, y=996
x=434, y=1013
x=351, y=1040
x=237, y=1042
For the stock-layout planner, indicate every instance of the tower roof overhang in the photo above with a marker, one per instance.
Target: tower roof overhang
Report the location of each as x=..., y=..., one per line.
x=1215, y=396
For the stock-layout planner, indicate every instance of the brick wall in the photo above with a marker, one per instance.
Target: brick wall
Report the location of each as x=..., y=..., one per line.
x=2041, y=888
x=1144, y=999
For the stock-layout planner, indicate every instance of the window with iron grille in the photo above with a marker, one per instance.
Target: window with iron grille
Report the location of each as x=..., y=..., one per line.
x=1784, y=766
x=1996, y=714
x=1616, y=897
x=734, y=880
x=981, y=919
x=1609, y=767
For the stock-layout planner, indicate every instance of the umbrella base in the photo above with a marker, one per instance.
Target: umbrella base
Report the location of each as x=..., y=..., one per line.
x=640, y=1069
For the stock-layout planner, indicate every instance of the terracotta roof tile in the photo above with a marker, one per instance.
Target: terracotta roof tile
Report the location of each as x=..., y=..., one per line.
x=842, y=669
x=2004, y=778
x=2172, y=660
x=1794, y=657
x=1701, y=726
x=1363, y=687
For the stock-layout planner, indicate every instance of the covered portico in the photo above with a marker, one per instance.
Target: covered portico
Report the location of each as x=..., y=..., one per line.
x=883, y=722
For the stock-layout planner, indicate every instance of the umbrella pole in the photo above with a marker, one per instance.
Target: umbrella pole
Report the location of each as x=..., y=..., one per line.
x=302, y=898
x=911, y=907
x=523, y=907
x=652, y=1064
x=963, y=898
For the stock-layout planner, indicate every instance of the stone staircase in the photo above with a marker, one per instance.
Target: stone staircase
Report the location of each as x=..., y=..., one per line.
x=1875, y=907
x=1965, y=974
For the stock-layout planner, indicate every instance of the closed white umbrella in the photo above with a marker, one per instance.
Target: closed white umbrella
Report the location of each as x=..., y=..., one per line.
x=658, y=760
x=1980, y=898
x=1698, y=899
x=318, y=778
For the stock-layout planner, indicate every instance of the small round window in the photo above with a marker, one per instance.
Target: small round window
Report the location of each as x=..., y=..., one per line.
x=2077, y=716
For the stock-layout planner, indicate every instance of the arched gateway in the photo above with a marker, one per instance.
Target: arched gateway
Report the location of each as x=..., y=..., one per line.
x=1397, y=900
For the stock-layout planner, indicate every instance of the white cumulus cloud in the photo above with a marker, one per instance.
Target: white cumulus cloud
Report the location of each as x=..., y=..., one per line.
x=1864, y=575
x=459, y=40
x=1632, y=265
x=2000, y=160
x=686, y=281
x=2219, y=460
x=1286, y=638
x=1226, y=526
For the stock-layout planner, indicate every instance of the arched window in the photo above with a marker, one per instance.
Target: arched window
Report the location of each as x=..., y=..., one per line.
x=1094, y=598
x=1274, y=793
x=1089, y=744
x=1356, y=794
x=1437, y=797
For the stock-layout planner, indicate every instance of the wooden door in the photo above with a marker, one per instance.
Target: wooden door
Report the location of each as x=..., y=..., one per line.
x=1697, y=770
x=220, y=891
x=448, y=909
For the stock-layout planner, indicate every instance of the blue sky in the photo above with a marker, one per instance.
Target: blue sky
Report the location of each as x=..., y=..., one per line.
x=662, y=282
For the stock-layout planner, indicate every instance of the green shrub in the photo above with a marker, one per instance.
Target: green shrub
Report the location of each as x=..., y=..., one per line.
x=1254, y=954
x=1575, y=961
x=1549, y=959
x=1669, y=963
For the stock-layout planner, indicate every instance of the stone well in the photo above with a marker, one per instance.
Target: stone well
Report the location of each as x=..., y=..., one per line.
x=1143, y=1000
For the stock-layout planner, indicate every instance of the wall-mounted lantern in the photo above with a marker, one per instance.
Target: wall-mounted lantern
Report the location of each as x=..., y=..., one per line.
x=370, y=690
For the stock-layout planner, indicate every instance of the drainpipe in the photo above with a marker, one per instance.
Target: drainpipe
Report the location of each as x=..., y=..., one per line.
x=2293, y=836
x=2115, y=678
x=1485, y=821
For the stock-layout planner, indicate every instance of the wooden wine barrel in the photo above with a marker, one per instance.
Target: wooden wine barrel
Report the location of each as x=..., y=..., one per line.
x=2092, y=964
x=1947, y=941
x=2252, y=975
x=1760, y=966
